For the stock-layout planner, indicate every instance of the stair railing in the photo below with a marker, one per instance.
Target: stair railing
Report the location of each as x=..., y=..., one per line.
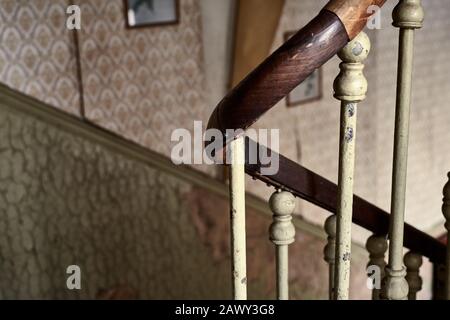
x=337, y=29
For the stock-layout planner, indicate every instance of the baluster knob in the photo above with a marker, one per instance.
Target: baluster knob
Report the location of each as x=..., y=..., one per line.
x=282, y=230
x=377, y=247
x=351, y=85
x=408, y=14
x=413, y=262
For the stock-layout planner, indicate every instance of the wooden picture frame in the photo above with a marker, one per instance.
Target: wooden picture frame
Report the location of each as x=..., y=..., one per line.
x=308, y=91
x=170, y=13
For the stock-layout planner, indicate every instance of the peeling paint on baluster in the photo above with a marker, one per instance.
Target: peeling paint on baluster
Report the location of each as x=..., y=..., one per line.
x=237, y=204
x=350, y=88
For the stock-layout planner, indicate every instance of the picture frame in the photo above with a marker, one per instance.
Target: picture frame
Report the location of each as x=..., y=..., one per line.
x=151, y=13
x=309, y=90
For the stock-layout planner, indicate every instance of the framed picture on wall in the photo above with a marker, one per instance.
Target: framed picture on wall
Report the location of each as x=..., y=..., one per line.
x=147, y=13
x=309, y=90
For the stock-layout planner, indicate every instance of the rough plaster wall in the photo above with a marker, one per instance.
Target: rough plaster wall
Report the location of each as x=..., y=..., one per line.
x=309, y=133
x=37, y=55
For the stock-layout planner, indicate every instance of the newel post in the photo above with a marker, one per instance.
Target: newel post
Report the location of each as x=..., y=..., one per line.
x=350, y=87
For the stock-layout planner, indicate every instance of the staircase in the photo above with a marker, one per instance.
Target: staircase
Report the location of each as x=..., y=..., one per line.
x=337, y=29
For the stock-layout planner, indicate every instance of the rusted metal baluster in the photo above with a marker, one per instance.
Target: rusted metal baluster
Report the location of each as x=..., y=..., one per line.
x=408, y=15
x=350, y=87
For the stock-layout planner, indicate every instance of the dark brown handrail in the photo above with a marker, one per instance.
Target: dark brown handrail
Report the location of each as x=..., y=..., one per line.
x=309, y=186
x=286, y=68
x=291, y=64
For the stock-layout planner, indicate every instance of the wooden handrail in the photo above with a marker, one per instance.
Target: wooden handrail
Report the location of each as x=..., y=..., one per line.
x=313, y=188
x=291, y=64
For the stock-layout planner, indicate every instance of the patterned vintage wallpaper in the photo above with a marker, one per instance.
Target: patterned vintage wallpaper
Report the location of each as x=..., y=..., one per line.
x=37, y=53
x=140, y=83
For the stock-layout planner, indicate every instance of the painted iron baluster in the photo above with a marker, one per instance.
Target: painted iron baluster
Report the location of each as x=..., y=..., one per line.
x=413, y=262
x=350, y=87
x=408, y=15
x=282, y=234
x=377, y=247
x=446, y=212
x=237, y=208
x=330, y=251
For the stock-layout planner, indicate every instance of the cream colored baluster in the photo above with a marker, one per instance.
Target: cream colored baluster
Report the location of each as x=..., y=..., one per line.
x=377, y=247
x=330, y=251
x=407, y=15
x=282, y=234
x=413, y=262
x=350, y=87
x=237, y=203
x=446, y=212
